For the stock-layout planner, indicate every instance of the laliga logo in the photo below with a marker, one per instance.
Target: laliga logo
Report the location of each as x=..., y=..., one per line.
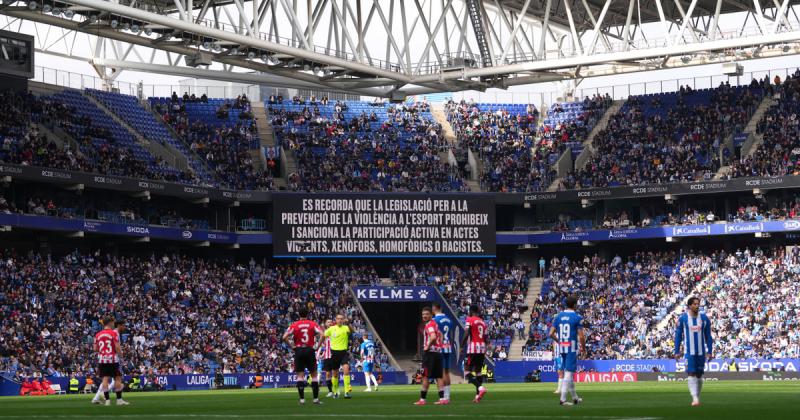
x=628, y=378
x=423, y=294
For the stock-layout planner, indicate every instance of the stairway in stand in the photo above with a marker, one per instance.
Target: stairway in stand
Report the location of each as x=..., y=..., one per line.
x=534, y=290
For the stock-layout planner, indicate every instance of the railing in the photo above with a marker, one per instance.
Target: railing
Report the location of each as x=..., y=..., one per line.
x=621, y=91
x=74, y=80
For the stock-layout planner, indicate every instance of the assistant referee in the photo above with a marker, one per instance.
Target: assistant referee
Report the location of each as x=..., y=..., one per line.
x=340, y=354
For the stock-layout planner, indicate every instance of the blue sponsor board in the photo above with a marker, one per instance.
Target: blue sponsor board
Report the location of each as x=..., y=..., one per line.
x=200, y=382
x=108, y=228
x=648, y=232
x=516, y=371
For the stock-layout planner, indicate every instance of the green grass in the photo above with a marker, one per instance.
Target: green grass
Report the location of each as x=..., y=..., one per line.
x=728, y=400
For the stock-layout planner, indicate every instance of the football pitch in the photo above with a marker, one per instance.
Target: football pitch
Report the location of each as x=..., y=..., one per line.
x=633, y=401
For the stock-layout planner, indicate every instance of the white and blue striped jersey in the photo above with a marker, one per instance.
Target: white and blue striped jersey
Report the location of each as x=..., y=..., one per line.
x=696, y=332
x=368, y=350
x=446, y=327
x=567, y=324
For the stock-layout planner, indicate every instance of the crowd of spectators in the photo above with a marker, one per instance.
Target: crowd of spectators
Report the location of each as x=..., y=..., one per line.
x=184, y=315
x=225, y=147
x=779, y=152
x=23, y=143
x=619, y=299
x=356, y=146
x=663, y=138
x=752, y=298
x=631, y=307
x=506, y=142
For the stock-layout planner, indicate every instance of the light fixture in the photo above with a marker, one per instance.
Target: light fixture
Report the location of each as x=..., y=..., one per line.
x=68, y=14
x=56, y=11
x=32, y=5
x=685, y=59
x=148, y=31
x=114, y=23
x=93, y=19
x=786, y=48
x=251, y=55
x=126, y=26
x=207, y=45
x=264, y=57
x=234, y=50
x=47, y=8
x=135, y=28
x=216, y=47
x=306, y=67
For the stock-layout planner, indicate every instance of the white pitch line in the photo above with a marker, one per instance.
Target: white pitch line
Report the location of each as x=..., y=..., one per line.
x=317, y=415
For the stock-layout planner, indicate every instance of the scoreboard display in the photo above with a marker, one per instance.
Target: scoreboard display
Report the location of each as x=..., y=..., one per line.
x=383, y=225
x=16, y=55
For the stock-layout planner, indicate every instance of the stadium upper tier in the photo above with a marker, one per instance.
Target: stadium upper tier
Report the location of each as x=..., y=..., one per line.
x=666, y=140
x=361, y=146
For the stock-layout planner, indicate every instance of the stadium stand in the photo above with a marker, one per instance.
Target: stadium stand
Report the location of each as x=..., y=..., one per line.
x=778, y=153
x=223, y=133
x=667, y=137
x=184, y=315
x=362, y=146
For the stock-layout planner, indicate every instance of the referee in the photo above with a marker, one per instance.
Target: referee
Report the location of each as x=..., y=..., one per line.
x=340, y=354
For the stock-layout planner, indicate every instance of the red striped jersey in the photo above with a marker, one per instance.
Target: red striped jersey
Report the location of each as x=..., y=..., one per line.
x=105, y=341
x=324, y=351
x=432, y=344
x=477, y=335
x=304, y=332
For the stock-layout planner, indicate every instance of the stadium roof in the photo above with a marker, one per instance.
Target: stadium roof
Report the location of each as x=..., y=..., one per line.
x=394, y=48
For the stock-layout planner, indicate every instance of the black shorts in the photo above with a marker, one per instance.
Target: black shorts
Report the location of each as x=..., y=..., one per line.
x=475, y=362
x=432, y=365
x=338, y=359
x=304, y=358
x=326, y=365
x=109, y=369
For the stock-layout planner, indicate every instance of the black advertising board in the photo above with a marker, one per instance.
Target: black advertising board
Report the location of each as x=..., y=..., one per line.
x=383, y=225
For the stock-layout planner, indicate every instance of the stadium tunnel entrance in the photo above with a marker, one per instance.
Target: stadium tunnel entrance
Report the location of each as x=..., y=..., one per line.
x=398, y=324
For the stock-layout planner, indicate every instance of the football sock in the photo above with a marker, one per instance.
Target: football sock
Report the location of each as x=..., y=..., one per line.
x=301, y=389
x=423, y=395
x=478, y=383
x=692, y=381
x=441, y=394
x=347, y=383
x=572, y=390
x=560, y=381
x=315, y=389
x=105, y=394
x=565, y=385
x=335, y=384
x=366, y=379
x=374, y=379
x=699, y=386
x=447, y=392
x=119, y=394
x=330, y=385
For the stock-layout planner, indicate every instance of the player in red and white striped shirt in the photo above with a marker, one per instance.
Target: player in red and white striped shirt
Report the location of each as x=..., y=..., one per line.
x=323, y=359
x=431, y=359
x=475, y=340
x=106, y=345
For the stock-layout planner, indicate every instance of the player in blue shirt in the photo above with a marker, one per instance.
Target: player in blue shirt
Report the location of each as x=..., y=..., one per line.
x=694, y=331
x=368, y=360
x=446, y=327
x=567, y=331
